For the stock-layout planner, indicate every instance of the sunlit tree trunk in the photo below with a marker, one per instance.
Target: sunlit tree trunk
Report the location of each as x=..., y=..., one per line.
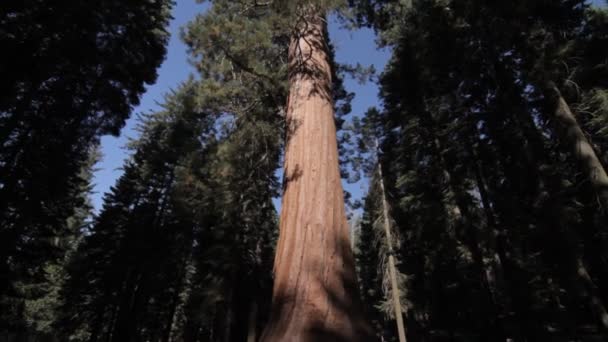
x=315, y=294
x=392, y=268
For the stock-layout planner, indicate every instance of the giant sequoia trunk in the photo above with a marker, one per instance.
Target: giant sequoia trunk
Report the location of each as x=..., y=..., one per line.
x=315, y=295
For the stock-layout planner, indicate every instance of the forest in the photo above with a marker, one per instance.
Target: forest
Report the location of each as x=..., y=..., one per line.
x=486, y=211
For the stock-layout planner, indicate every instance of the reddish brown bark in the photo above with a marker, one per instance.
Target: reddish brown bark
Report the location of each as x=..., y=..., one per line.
x=315, y=295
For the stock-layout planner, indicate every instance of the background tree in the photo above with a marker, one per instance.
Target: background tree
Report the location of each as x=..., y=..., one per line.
x=68, y=79
x=498, y=213
x=490, y=200
x=128, y=273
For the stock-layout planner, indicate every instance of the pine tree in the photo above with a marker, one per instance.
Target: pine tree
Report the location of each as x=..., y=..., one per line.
x=127, y=274
x=481, y=179
x=67, y=80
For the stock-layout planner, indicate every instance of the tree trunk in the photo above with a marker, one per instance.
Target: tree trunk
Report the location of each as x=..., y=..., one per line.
x=315, y=294
x=253, y=322
x=507, y=271
x=392, y=269
x=483, y=255
x=126, y=319
x=175, y=326
x=574, y=136
x=593, y=294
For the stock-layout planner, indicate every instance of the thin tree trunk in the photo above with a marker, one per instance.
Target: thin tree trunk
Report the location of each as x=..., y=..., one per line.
x=315, y=294
x=507, y=272
x=597, y=175
x=168, y=331
x=583, y=151
x=126, y=321
x=595, y=302
x=179, y=301
x=391, y=259
x=253, y=322
x=228, y=317
x=487, y=270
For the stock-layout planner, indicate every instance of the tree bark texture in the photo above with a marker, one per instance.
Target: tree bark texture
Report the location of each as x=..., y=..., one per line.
x=392, y=268
x=583, y=151
x=315, y=294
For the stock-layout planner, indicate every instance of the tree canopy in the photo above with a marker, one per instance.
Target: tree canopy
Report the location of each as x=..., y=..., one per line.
x=71, y=73
x=487, y=202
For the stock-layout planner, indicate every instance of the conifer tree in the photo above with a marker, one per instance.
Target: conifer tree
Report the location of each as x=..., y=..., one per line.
x=485, y=219
x=67, y=80
x=482, y=179
x=128, y=272
x=290, y=54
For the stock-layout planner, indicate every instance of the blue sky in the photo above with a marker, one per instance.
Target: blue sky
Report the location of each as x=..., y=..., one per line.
x=351, y=47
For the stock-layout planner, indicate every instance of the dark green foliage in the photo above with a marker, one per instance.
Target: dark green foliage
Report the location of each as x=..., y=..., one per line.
x=183, y=247
x=368, y=257
x=129, y=269
x=501, y=235
x=71, y=72
x=187, y=226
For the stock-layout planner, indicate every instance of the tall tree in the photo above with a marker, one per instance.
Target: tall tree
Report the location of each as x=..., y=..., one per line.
x=378, y=226
x=486, y=191
x=315, y=295
x=252, y=39
x=68, y=80
x=127, y=274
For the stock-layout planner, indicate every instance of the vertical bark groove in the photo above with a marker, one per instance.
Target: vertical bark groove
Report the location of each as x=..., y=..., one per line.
x=315, y=295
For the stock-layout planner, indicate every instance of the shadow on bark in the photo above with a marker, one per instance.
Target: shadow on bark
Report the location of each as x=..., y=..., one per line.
x=332, y=302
